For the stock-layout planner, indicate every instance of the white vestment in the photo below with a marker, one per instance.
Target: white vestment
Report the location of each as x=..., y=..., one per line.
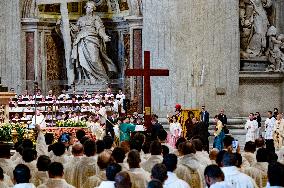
x=8, y=180
x=63, y=159
x=278, y=134
x=31, y=165
x=174, y=182
x=251, y=127
x=139, y=177
x=249, y=159
x=221, y=184
x=24, y=185
x=269, y=128
x=95, y=180
x=69, y=170
x=236, y=178
x=39, y=178
x=263, y=166
x=8, y=166
x=38, y=120
x=84, y=169
x=3, y=185
x=55, y=183
x=259, y=176
x=41, y=147
x=124, y=166
x=106, y=184
x=154, y=159
x=190, y=170
x=203, y=158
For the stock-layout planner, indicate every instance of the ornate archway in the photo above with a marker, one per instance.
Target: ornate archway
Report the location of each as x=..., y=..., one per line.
x=123, y=22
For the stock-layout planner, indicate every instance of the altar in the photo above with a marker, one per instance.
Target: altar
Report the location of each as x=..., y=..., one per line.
x=57, y=131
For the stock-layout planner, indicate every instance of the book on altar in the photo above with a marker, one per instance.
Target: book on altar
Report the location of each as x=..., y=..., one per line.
x=139, y=128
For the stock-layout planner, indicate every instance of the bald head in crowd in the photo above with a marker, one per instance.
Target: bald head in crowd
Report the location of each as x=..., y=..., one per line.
x=104, y=159
x=77, y=149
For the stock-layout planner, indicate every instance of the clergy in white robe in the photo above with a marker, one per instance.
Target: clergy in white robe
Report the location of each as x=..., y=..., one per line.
x=118, y=155
x=41, y=146
x=201, y=156
x=7, y=165
x=111, y=172
x=232, y=174
x=22, y=176
x=278, y=132
x=59, y=152
x=41, y=175
x=139, y=177
x=88, y=165
x=56, y=180
x=69, y=168
x=214, y=177
x=38, y=119
x=3, y=185
x=262, y=160
x=269, y=130
x=251, y=126
x=189, y=168
x=248, y=155
x=104, y=159
x=170, y=161
x=29, y=159
x=106, y=184
x=155, y=158
x=5, y=180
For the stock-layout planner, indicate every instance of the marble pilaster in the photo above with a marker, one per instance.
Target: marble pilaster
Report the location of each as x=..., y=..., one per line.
x=10, y=43
x=136, y=59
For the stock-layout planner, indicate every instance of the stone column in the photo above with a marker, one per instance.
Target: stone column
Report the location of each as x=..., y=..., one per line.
x=279, y=6
x=198, y=41
x=30, y=60
x=136, y=59
x=10, y=43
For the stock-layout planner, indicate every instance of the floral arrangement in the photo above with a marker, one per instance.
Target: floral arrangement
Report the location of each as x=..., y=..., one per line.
x=12, y=132
x=71, y=123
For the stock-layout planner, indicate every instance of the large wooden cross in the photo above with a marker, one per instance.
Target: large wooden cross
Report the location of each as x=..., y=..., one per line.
x=147, y=72
x=65, y=32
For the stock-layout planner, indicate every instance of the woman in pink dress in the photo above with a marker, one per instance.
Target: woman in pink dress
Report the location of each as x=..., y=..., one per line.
x=175, y=131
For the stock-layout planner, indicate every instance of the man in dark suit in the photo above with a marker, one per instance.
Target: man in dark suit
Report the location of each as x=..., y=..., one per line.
x=156, y=127
x=204, y=116
x=200, y=130
x=222, y=117
x=110, y=122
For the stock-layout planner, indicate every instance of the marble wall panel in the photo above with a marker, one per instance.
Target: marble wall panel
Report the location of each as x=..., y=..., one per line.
x=198, y=40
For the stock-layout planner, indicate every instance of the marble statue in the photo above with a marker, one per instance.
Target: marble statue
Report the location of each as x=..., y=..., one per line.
x=254, y=25
x=136, y=7
x=89, y=51
x=29, y=9
x=275, y=52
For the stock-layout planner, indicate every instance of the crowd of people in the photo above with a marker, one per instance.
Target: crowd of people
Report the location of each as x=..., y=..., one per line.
x=139, y=161
x=152, y=158
x=48, y=110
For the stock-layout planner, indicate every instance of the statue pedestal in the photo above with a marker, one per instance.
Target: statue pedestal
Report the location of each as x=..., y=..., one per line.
x=4, y=106
x=254, y=64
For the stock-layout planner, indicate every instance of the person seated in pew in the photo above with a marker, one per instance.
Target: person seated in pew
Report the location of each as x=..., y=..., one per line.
x=16, y=118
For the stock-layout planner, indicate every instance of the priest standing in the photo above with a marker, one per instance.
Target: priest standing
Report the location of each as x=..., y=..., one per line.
x=251, y=126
